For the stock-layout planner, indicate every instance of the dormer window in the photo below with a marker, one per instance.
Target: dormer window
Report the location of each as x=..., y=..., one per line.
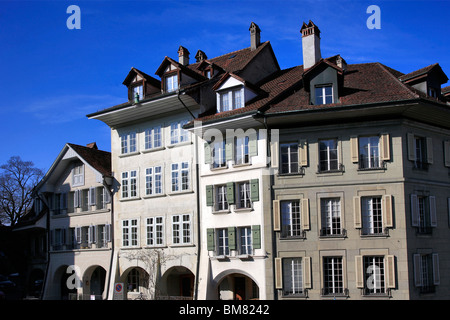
x=171, y=83
x=324, y=94
x=138, y=92
x=231, y=99
x=432, y=92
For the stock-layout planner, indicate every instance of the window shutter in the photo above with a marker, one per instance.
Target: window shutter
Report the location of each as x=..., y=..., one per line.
x=274, y=147
x=63, y=236
x=417, y=270
x=208, y=158
x=78, y=235
x=70, y=200
x=433, y=218
x=256, y=236
x=387, y=211
x=52, y=237
x=276, y=215
x=76, y=199
x=210, y=239
x=230, y=192
x=252, y=145
x=91, y=196
x=385, y=147
x=359, y=272
x=354, y=149
x=278, y=274
x=305, y=214
x=106, y=195
x=303, y=153
x=229, y=149
x=429, y=150
x=447, y=153
x=357, y=211
x=414, y=210
x=108, y=233
x=436, y=275
x=390, y=267
x=254, y=190
x=209, y=195
x=411, y=146
x=307, y=283
x=232, y=238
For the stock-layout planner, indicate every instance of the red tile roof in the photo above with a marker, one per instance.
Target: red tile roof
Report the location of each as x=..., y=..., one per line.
x=98, y=159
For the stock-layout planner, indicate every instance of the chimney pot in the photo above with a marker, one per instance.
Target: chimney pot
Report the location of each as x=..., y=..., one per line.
x=255, y=36
x=183, y=56
x=310, y=44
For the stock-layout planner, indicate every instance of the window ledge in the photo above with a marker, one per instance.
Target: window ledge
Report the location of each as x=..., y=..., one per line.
x=151, y=196
x=221, y=211
x=218, y=168
x=129, y=154
x=153, y=149
x=242, y=165
x=179, y=144
x=129, y=199
x=174, y=193
x=239, y=210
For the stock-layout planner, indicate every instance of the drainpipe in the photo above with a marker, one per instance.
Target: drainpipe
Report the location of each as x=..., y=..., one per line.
x=111, y=194
x=48, y=244
x=197, y=177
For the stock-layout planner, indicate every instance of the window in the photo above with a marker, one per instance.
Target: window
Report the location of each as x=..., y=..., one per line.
x=133, y=280
x=374, y=275
x=138, y=90
x=420, y=161
x=369, y=152
x=420, y=151
x=245, y=240
x=292, y=277
x=290, y=219
x=129, y=184
x=221, y=198
x=372, y=221
x=328, y=155
x=230, y=100
x=331, y=217
x=153, y=181
x=153, y=138
x=244, y=199
x=333, y=278
x=180, y=176
x=78, y=175
x=103, y=235
x=289, y=158
x=128, y=143
x=222, y=242
x=219, y=158
x=432, y=92
x=181, y=229
x=423, y=213
x=242, y=151
x=130, y=233
x=324, y=94
x=177, y=133
x=155, y=231
x=426, y=271
x=171, y=83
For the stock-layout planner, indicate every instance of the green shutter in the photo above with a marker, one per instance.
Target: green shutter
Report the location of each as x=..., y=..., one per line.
x=253, y=146
x=254, y=190
x=208, y=158
x=256, y=236
x=210, y=239
x=230, y=192
x=232, y=238
x=229, y=149
x=210, y=195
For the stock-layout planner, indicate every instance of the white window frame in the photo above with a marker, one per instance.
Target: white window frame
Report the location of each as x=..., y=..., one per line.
x=222, y=245
x=153, y=138
x=323, y=94
x=221, y=201
x=182, y=229
x=177, y=133
x=371, y=158
x=140, y=90
x=128, y=143
x=171, y=82
x=154, y=181
x=243, y=195
x=331, y=216
x=328, y=160
x=291, y=152
x=242, y=152
x=179, y=170
x=155, y=231
x=245, y=245
x=293, y=284
x=231, y=99
x=291, y=218
x=375, y=281
x=333, y=275
x=130, y=184
x=130, y=227
x=372, y=217
x=219, y=155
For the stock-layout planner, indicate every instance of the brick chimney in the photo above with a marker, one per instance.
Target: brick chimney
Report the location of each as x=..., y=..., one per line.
x=255, y=37
x=183, y=56
x=310, y=44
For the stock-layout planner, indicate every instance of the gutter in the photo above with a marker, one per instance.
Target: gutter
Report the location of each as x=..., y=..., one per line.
x=197, y=178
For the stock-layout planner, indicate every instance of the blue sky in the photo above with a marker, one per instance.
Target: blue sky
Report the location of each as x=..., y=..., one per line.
x=51, y=77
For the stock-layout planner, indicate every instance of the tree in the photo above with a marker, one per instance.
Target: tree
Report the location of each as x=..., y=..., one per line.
x=17, y=180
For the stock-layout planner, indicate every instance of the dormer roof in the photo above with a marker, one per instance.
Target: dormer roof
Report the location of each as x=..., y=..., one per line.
x=132, y=75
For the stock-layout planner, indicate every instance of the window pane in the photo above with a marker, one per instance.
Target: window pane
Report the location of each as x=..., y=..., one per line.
x=292, y=276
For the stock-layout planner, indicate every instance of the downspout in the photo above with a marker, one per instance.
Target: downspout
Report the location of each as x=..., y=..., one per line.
x=111, y=194
x=197, y=177
x=48, y=244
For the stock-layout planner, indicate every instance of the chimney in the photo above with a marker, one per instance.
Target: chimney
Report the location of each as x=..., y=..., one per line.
x=183, y=56
x=92, y=145
x=311, y=44
x=341, y=63
x=255, y=38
